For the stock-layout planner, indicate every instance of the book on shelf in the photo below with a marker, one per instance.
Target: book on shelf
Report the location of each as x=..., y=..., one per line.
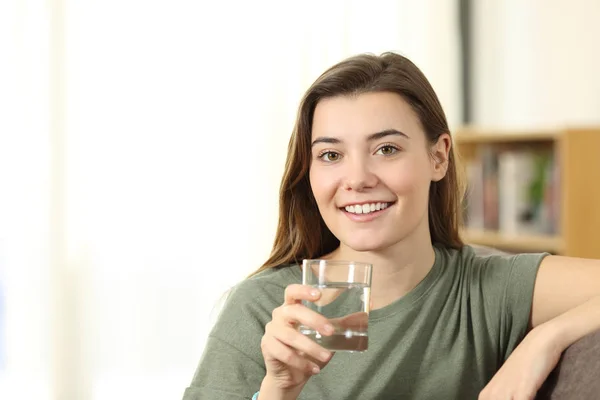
x=512, y=191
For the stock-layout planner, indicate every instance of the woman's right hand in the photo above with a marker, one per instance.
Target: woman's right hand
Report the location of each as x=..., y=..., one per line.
x=291, y=358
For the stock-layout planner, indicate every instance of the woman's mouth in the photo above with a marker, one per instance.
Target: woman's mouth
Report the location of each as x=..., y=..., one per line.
x=366, y=208
x=366, y=212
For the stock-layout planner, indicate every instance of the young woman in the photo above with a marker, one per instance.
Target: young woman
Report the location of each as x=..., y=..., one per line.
x=371, y=176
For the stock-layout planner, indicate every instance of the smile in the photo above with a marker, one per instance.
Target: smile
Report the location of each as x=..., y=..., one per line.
x=367, y=208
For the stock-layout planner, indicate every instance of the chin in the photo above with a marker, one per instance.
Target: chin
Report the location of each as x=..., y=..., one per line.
x=368, y=245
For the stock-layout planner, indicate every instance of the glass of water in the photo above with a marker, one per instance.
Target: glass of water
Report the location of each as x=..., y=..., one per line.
x=345, y=288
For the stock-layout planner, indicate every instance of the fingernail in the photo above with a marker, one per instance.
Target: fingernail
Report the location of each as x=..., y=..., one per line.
x=316, y=370
x=314, y=293
x=328, y=328
x=325, y=356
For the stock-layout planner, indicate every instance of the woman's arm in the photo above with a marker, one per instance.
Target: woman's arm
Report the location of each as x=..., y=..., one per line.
x=225, y=372
x=566, y=307
x=567, y=294
x=231, y=365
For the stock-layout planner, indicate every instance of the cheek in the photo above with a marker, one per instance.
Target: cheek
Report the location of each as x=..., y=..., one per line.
x=411, y=179
x=405, y=183
x=322, y=186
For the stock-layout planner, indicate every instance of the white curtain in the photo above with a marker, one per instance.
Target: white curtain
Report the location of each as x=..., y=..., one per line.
x=141, y=148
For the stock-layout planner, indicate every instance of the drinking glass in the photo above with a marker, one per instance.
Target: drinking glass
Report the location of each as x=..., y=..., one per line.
x=345, y=288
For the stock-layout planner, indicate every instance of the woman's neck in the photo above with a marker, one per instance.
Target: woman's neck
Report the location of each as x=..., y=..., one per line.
x=396, y=270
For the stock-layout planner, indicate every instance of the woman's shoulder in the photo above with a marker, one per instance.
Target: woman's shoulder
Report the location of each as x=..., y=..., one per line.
x=479, y=261
x=472, y=254
x=280, y=276
x=253, y=299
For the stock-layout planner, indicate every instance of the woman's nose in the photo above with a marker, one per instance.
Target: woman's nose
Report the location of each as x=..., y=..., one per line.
x=359, y=176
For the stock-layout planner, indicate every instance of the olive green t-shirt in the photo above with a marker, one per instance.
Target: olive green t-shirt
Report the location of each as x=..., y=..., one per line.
x=445, y=339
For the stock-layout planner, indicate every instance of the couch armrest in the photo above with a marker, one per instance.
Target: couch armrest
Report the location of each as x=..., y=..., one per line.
x=577, y=375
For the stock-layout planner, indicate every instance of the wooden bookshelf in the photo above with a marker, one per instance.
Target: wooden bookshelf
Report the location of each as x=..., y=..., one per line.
x=474, y=136
x=577, y=155
x=522, y=242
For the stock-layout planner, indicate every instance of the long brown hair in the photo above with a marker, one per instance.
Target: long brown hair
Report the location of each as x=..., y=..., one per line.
x=301, y=231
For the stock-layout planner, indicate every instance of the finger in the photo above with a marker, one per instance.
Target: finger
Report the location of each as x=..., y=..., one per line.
x=295, y=293
x=302, y=344
x=320, y=363
x=274, y=349
x=292, y=314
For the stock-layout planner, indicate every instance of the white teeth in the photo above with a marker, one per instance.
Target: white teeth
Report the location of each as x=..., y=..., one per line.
x=366, y=208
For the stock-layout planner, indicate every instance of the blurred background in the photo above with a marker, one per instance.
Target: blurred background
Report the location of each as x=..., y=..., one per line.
x=142, y=144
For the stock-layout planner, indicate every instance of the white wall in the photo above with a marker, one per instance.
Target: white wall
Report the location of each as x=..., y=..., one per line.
x=25, y=199
x=536, y=63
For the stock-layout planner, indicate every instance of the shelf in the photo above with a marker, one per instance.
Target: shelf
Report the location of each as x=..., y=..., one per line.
x=577, y=195
x=473, y=135
x=520, y=242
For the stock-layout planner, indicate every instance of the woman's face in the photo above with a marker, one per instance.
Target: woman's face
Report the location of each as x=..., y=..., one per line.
x=371, y=168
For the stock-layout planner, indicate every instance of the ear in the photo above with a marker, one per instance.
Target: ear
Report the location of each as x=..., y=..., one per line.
x=440, y=153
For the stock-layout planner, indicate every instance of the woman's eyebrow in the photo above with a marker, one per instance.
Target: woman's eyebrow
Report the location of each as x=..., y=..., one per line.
x=370, y=138
x=325, y=139
x=387, y=132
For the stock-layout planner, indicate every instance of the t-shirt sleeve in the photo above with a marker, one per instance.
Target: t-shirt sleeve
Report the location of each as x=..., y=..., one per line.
x=505, y=284
x=232, y=366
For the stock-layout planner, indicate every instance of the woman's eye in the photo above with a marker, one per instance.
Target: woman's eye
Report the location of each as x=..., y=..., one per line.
x=387, y=150
x=330, y=156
